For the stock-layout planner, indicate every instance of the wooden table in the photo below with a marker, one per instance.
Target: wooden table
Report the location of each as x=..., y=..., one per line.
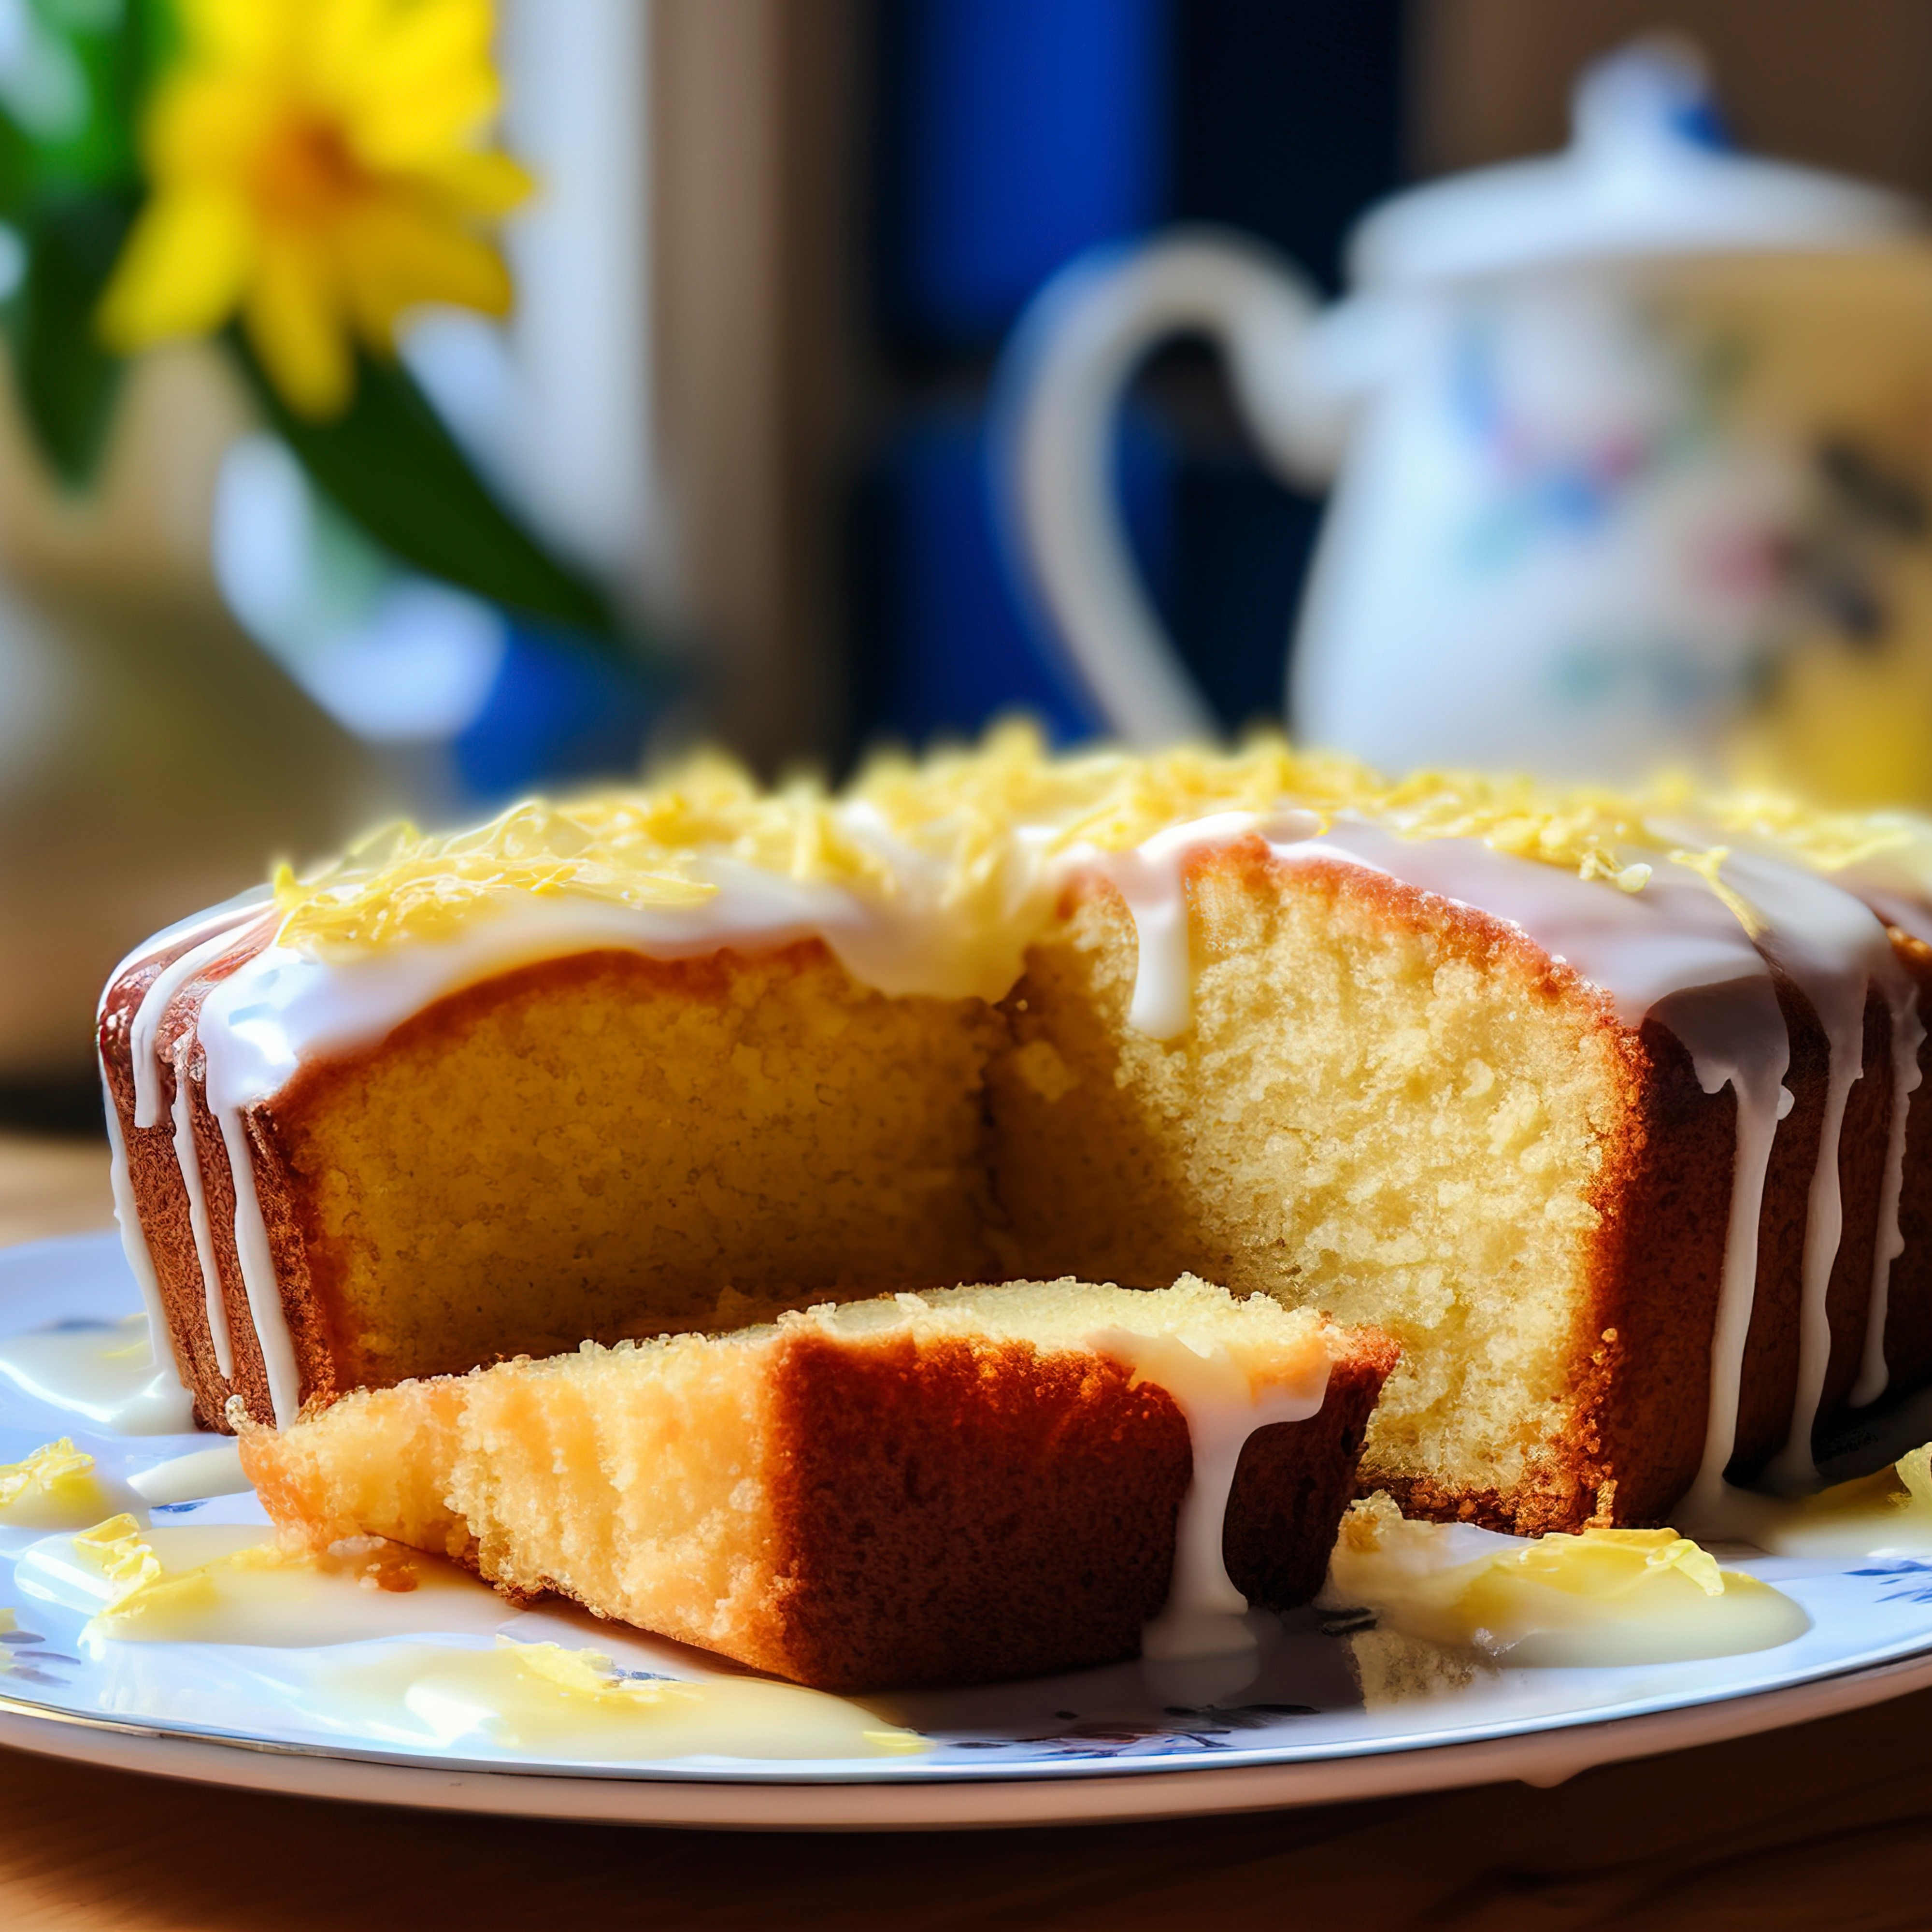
x=1828, y=1825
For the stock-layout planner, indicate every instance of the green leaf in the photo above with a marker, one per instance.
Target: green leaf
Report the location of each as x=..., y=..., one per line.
x=74, y=78
x=390, y=464
x=68, y=382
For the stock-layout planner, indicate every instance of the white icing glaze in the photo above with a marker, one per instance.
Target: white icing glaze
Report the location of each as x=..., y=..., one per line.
x=143, y=1028
x=189, y=1478
x=266, y=1314
x=1638, y=948
x=1152, y=879
x=187, y=1157
x=133, y=1236
x=1203, y=1616
x=106, y=1373
x=1742, y=1045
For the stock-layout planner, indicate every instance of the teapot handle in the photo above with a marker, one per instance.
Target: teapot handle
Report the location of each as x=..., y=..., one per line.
x=1059, y=386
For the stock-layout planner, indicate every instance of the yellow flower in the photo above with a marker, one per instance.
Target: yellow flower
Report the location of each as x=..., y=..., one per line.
x=316, y=165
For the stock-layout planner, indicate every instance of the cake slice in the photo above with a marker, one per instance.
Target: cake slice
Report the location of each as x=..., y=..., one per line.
x=951, y=1488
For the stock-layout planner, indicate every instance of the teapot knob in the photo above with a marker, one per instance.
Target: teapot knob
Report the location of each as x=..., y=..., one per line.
x=1654, y=94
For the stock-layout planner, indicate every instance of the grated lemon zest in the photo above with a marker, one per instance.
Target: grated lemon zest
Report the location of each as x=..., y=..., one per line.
x=50, y=1466
x=588, y=1673
x=976, y=822
x=119, y=1551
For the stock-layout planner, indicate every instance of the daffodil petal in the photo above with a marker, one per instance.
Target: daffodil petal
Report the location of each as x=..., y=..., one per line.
x=483, y=181
x=433, y=40
x=397, y=258
x=411, y=127
x=430, y=84
x=295, y=325
x=206, y=122
x=343, y=38
x=239, y=33
x=182, y=272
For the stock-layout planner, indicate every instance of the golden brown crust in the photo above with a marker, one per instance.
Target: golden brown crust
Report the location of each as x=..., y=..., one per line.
x=955, y=1514
x=960, y=1514
x=1643, y=1344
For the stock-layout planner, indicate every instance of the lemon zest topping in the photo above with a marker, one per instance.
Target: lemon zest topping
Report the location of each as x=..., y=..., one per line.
x=54, y=1471
x=119, y=1551
x=590, y=1674
x=1508, y=1601
x=973, y=825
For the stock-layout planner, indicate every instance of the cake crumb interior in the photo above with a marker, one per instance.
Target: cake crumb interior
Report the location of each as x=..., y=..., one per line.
x=1370, y=1114
x=1397, y=1120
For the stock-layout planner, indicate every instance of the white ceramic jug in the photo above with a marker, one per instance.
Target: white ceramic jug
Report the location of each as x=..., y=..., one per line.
x=1632, y=453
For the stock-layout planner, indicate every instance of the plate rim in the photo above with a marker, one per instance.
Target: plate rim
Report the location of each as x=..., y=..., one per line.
x=1542, y=1758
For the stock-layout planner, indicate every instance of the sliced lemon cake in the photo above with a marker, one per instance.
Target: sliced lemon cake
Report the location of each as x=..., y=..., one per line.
x=1609, y=1109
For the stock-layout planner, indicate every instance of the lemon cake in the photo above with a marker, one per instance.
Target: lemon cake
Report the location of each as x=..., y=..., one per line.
x=1608, y=1109
x=947, y=1489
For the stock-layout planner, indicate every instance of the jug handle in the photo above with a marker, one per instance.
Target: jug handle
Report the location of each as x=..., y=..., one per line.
x=1059, y=387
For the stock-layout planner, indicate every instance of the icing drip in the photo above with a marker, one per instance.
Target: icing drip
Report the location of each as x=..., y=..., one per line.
x=1914, y=919
x=133, y=1236
x=1908, y=1036
x=1835, y=951
x=266, y=1312
x=1152, y=878
x=189, y=1157
x=1203, y=1616
x=220, y=930
x=1739, y=1042
x=210, y=934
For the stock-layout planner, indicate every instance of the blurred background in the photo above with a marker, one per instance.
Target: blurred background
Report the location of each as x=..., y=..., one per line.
x=310, y=515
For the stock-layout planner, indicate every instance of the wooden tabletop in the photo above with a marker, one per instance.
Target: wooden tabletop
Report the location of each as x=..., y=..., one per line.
x=50, y=1187
x=1826, y=1826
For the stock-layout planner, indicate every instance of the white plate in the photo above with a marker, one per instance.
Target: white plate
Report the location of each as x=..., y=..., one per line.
x=1132, y=1740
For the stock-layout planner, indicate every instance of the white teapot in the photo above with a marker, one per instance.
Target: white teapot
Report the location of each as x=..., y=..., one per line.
x=1634, y=447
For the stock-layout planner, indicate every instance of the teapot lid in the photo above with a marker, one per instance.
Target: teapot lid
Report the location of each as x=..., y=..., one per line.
x=1648, y=171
